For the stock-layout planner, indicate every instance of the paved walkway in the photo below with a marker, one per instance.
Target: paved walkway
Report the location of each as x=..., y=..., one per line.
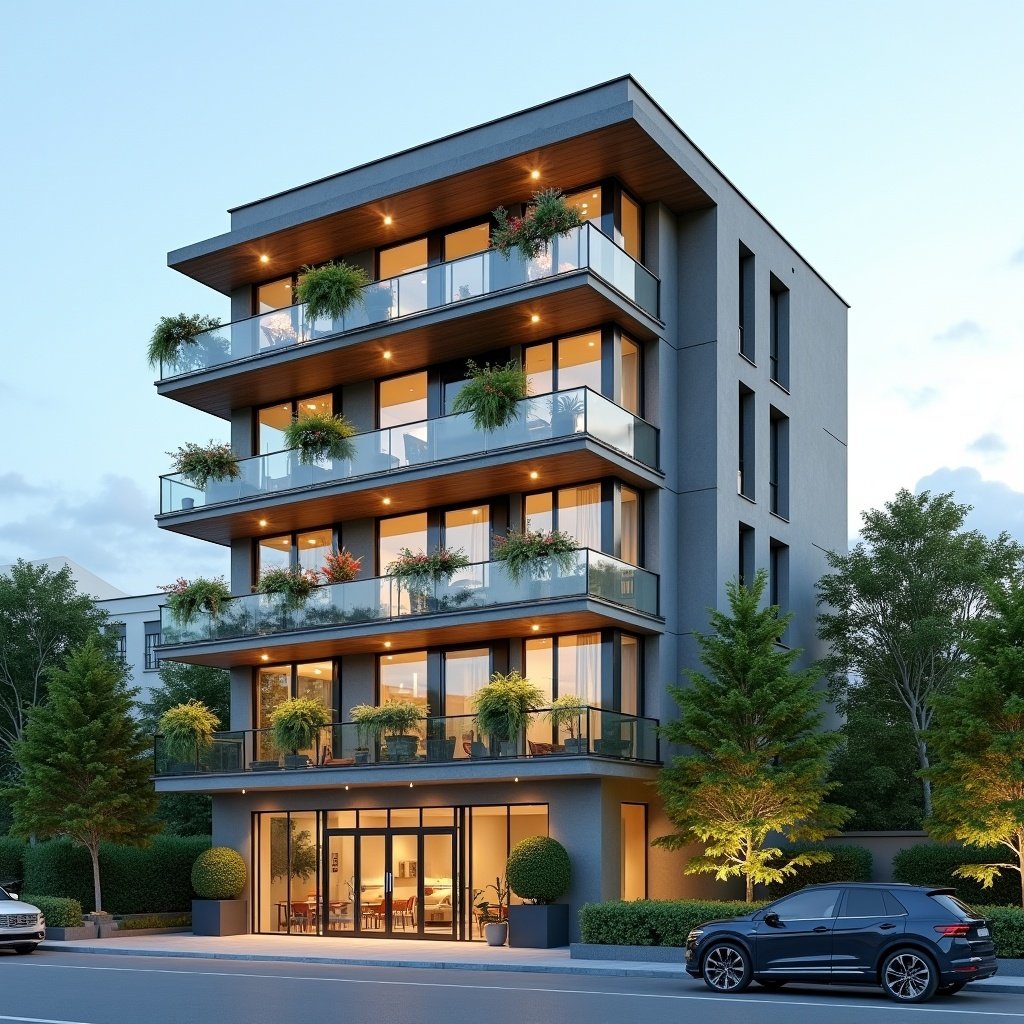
x=466, y=956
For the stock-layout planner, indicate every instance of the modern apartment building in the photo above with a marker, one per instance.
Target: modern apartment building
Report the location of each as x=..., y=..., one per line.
x=686, y=423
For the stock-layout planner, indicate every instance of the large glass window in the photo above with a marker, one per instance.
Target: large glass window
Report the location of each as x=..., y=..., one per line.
x=629, y=525
x=313, y=548
x=573, y=362
x=465, y=672
x=630, y=227
x=629, y=675
x=573, y=510
x=469, y=529
x=588, y=202
x=467, y=241
x=273, y=553
x=404, y=677
x=308, y=550
x=400, y=259
x=288, y=861
x=629, y=376
x=274, y=419
x=397, y=532
x=278, y=683
x=275, y=295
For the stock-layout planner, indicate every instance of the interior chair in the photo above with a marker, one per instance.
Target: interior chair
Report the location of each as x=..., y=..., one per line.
x=301, y=915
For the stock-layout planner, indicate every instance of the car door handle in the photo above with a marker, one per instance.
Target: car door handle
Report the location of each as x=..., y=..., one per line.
x=887, y=925
x=821, y=928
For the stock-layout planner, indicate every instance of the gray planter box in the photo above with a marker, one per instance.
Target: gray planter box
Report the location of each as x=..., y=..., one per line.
x=640, y=954
x=539, y=926
x=85, y=931
x=220, y=917
x=103, y=923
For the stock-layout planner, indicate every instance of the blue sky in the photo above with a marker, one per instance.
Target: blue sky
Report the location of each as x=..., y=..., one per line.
x=884, y=140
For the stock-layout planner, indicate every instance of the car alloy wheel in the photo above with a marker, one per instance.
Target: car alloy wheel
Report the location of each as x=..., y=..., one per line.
x=909, y=977
x=726, y=969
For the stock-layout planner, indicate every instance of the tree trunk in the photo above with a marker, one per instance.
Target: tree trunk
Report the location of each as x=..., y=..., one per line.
x=94, y=853
x=1020, y=868
x=926, y=784
x=750, y=889
x=749, y=875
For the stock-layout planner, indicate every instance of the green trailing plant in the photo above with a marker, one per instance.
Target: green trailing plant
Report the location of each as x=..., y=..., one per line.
x=331, y=290
x=173, y=332
x=186, y=599
x=492, y=394
x=417, y=568
x=187, y=730
x=567, y=712
x=296, y=723
x=294, y=582
x=503, y=705
x=547, y=216
x=527, y=551
x=392, y=718
x=538, y=869
x=320, y=435
x=199, y=464
x=219, y=874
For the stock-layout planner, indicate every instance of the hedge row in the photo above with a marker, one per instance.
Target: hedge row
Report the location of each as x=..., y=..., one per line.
x=11, y=863
x=135, y=880
x=1007, y=929
x=652, y=922
x=932, y=864
x=58, y=911
x=848, y=864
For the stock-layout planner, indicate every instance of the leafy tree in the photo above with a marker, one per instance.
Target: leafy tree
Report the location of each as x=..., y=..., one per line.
x=899, y=606
x=42, y=619
x=978, y=739
x=84, y=764
x=759, y=759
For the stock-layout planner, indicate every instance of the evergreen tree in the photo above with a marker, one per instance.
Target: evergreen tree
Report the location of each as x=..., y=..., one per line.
x=84, y=761
x=756, y=760
x=978, y=739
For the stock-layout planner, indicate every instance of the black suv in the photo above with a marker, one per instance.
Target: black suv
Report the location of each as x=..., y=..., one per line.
x=911, y=940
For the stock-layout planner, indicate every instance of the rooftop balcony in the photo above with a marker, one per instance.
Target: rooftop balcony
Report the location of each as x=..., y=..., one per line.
x=447, y=743
x=403, y=457
x=418, y=306
x=481, y=602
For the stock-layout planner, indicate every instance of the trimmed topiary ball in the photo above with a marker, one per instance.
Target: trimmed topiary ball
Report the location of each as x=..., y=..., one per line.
x=538, y=869
x=219, y=874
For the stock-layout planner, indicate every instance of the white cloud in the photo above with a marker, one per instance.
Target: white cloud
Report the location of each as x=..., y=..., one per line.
x=995, y=506
x=988, y=444
x=962, y=331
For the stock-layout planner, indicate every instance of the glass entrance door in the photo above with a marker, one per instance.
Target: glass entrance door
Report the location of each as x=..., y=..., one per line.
x=390, y=883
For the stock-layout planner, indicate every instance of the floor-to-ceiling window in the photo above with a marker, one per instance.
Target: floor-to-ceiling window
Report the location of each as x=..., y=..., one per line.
x=278, y=683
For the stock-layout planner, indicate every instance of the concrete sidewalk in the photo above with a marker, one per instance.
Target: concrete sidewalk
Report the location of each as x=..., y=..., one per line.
x=464, y=956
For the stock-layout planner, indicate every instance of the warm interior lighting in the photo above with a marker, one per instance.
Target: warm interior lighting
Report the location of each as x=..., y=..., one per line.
x=346, y=789
x=535, y=175
x=387, y=501
x=535, y=319
x=318, y=671
x=516, y=779
x=387, y=643
x=387, y=355
x=263, y=522
x=410, y=785
x=243, y=792
x=264, y=657
x=535, y=628
x=534, y=474
x=264, y=258
x=387, y=219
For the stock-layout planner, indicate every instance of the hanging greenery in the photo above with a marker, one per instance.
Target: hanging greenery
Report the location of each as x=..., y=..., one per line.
x=419, y=567
x=331, y=290
x=319, y=435
x=198, y=464
x=296, y=723
x=528, y=551
x=187, y=599
x=546, y=217
x=295, y=583
x=492, y=394
x=172, y=332
x=186, y=730
x=503, y=706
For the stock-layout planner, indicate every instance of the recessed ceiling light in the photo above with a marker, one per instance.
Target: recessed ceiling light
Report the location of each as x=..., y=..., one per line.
x=535, y=628
x=534, y=474
x=387, y=355
x=264, y=258
x=311, y=405
x=516, y=779
x=243, y=792
x=476, y=511
x=318, y=671
x=535, y=175
x=534, y=319
x=346, y=789
x=590, y=344
x=387, y=219
x=410, y=785
x=263, y=522
x=264, y=657
x=387, y=501
x=387, y=643
x=593, y=195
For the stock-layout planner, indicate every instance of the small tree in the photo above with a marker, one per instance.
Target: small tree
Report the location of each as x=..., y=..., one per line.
x=759, y=760
x=84, y=761
x=978, y=739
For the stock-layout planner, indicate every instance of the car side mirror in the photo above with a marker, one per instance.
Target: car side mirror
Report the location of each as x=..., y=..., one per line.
x=772, y=920
x=13, y=895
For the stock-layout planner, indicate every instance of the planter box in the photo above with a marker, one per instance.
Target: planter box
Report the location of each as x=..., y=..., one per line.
x=124, y=933
x=540, y=926
x=220, y=917
x=103, y=923
x=85, y=931
x=641, y=954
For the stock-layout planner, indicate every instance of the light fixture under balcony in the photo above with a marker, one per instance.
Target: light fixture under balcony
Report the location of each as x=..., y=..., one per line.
x=263, y=522
x=534, y=474
x=535, y=628
x=387, y=355
x=535, y=319
x=387, y=220
x=264, y=657
x=535, y=174
x=387, y=501
x=387, y=643
x=264, y=258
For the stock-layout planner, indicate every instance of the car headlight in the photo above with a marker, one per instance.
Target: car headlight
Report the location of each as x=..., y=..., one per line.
x=695, y=935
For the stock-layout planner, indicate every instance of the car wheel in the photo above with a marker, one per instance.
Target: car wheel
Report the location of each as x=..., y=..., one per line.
x=25, y=948
x=951, y=989
x=769, y=983
x=726, y=968
x=909, y=976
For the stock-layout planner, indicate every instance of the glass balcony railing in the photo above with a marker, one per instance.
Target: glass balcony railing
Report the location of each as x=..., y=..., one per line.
x=434, y=287
x=545, y=418
x=384, y=598
x=449, y=739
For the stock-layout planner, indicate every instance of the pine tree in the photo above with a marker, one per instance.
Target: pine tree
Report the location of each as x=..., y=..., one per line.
x=978, y=740
x=85, y=761
x=756, y=760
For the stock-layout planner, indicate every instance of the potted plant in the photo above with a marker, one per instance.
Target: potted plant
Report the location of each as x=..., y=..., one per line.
x=187, y=599
x=440, y=746
x=493, y=917
x=378, y=298
x=394, y=722
x=198, y=464
x=492, y=394
x=529, y=551
x=502, y=708
x=218, y=878
x=565, y=410
x=172, y=333
x=295, y=725
x=539, y=872
x=295, y=583
x=340, y=566
x=546, y=217
x=568, y=712
x=320, y=435
x=416, y=571
x=331, y=290
x=186, y=732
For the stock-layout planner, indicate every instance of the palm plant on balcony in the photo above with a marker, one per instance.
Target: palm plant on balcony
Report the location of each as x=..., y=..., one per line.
x=547, y=216
x=567, y=712
x=331, y=290
x=394, y=722
x=340, y=566
x=199, y=464
x=533, y=552
x=186, y=731
x=295, y=583
x=492, y=394
x=172, y=333
x=295, y=725
x=503, y=706
x=320, y=435
x=417, y=569
x=186, y=599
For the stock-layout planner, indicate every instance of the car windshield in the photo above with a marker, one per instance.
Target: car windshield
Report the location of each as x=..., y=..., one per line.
x=4, y=894
x=954, y=906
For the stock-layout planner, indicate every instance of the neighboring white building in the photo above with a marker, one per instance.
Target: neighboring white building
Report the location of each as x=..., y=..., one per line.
x=136, y=619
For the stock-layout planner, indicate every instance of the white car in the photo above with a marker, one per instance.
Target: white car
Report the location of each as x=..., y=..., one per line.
x=22, y=926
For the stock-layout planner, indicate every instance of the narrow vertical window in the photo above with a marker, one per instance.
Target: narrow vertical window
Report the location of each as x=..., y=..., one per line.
x=745, y=454
x=779, y=326
x=778, y=471
x=745, y=311
x=633, y=851
x=152, y=635
x=745, y=562
x=778, y=575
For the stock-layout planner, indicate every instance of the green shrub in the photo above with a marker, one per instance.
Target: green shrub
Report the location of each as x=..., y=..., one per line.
x=653, y=922
x=538, y=869
x=848, y=864
x=136, y=880
x=59, y=911
x=129, y=924
x=1007, y=929
x=934, y=864
x=12, y=865
x=331, y=290
x=219, y=874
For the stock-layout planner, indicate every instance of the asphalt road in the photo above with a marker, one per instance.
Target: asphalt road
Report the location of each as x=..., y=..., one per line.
x=76, y=988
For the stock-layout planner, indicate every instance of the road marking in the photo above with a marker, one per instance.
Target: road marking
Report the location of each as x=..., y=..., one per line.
x=40, y=1020
x=767, y=1000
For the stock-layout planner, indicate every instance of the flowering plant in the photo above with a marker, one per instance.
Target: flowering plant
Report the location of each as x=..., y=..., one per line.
x=547, y=216
x=198, y=464
x=320, y=435
x=185, y=599
x=419, y=567
x=492, y=394
x=295, y=583
x=527, y=550
x=340, y=566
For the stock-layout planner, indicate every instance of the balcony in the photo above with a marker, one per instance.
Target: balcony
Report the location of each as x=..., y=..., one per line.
x=450, y=741
x=596, y=590
x=391, y=452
